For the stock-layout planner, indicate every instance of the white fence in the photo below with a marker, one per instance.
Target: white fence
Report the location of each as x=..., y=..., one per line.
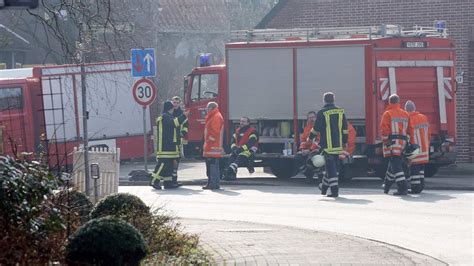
x=109, y=163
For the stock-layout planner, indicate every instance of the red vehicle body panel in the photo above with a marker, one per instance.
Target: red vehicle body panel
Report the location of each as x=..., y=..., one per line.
x=416, y=83
x=22, y=128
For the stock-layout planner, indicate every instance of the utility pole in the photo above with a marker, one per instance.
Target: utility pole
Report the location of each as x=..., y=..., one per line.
x=85, y=113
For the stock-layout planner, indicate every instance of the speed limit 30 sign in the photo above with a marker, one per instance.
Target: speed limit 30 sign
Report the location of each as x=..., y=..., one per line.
x=144, y=91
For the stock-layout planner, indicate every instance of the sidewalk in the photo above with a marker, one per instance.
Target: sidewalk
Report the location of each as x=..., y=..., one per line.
x=456, y=177
x=458, y=169
x=242, y=243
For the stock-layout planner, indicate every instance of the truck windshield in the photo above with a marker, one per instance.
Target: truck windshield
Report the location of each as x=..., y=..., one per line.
x=11, y=98
x=205, y=86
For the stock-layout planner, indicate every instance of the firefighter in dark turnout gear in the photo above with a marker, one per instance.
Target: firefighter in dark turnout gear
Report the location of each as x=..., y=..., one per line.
x=244, y=145
x=331, y=124
x=167, y=151
x=182, y=132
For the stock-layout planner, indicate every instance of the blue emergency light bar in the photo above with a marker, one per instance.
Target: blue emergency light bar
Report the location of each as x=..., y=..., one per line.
x=205, y=60
x=440, y=25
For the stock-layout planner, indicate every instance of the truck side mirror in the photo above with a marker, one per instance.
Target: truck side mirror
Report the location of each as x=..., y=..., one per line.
x=185, y=87
x=186, y=84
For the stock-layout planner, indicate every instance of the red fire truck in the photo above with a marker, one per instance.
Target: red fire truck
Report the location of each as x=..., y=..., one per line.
x=276, y=76
x=41, y=110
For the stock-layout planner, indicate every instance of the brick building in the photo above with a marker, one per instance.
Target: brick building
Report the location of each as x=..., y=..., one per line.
x=459, y=17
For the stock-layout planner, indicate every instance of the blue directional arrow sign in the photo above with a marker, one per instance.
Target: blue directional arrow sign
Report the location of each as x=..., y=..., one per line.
x=143, y=63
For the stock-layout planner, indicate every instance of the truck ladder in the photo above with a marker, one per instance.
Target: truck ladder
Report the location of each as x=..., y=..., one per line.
x=57, y=121
x=370, y=32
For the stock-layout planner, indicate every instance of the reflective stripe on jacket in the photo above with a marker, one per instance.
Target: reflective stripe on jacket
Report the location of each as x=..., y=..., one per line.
x=420, y=130
x=245, y=140
x=182, y=131
x=331, y=124
x=394, y=128
x=167, y=138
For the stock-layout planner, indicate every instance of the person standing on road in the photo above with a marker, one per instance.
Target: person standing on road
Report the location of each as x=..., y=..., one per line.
x=420, y=130
x=167, y=151
x=182, y=132
x=212, y=149
x=244, y=144
x=307, y=147
x=394, y=128
x=331, y=125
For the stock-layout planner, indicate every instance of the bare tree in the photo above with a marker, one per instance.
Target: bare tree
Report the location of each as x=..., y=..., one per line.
x=90, y=28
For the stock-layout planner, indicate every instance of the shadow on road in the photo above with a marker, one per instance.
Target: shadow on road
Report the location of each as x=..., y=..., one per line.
x=347, y=200
x=226, y=192
x=178, y=191
x=430, y=197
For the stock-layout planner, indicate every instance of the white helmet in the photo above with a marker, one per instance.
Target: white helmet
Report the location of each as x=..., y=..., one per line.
x=318, y=161
x=411, y=151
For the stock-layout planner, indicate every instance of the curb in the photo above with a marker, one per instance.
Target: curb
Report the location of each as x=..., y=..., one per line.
x=199, y=182
x=202, y=182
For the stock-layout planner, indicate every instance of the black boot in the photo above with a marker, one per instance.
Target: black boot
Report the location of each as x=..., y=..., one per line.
x=251, y=169
x=156, y=184
x=230, y=175
x=402, y=189
x=417, y=188
x=334, y=192
x=175, y=181
x=323, y=188
x=387, y=184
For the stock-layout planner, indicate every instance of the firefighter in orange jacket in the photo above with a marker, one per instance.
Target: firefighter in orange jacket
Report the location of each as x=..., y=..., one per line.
x=395, y=128
x=244, y=144
x=420, y=130
x=212, y=149
x=307, y=147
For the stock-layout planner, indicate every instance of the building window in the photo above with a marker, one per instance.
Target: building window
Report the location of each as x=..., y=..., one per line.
x=205, y=87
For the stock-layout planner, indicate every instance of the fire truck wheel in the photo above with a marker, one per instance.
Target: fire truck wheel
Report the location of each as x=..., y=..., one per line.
x=283, y=169
x=345, y=173
x=381, y=170
x=431, y=170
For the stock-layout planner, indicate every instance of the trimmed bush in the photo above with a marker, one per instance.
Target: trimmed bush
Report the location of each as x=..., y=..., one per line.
x=106, y=241
x=75, y=202
x=165, y=239
x=120, y=205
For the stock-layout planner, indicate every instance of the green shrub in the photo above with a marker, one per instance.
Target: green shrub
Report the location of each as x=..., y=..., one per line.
x=120, y=205
x=165, y=239
x=32, y=226
x=106, y=241
x=75, y=202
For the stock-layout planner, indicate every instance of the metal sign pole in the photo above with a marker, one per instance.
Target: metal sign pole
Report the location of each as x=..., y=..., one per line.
x=85, y=137
x=145, y=146
x=96, y=191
